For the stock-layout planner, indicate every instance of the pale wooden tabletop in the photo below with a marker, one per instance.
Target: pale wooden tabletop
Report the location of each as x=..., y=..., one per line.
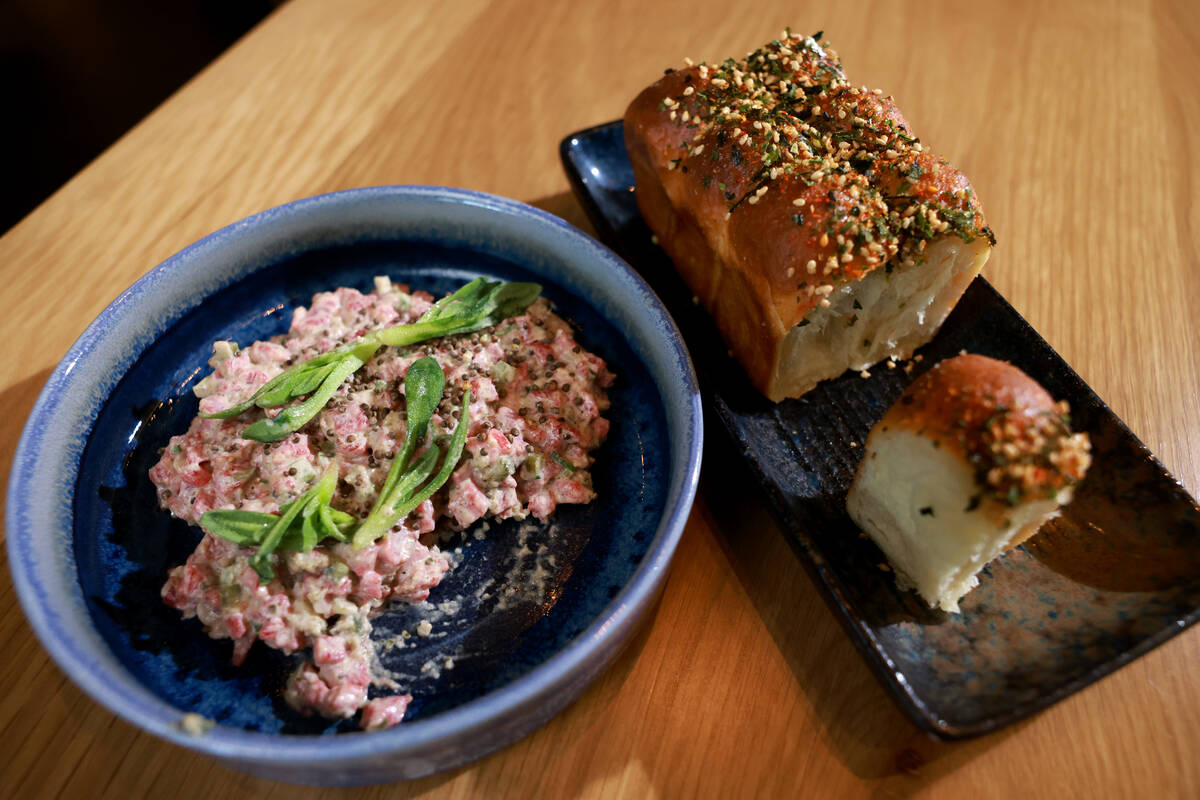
x=1079, y=125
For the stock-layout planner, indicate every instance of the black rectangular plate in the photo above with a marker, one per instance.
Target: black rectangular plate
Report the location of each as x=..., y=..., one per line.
x=1117, y=575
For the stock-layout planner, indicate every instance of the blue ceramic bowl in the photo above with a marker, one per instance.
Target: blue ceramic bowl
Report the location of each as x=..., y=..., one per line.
x=89, y=548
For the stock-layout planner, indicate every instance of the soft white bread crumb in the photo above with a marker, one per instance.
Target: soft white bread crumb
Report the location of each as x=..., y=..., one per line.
x=970, y=462
x=893, y=313
x=918, y=516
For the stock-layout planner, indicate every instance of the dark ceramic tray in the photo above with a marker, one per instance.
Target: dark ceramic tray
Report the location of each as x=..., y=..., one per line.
x=1117, y=575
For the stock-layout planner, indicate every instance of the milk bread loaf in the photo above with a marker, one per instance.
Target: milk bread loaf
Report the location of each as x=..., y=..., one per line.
x=802, y=211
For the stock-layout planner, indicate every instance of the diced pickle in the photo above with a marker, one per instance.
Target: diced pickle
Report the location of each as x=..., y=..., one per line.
x=305, y=473
x=531, y=467
x=230, y=594
x=502, y=373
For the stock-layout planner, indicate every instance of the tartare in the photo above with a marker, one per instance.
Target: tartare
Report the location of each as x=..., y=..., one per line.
x=529, y=398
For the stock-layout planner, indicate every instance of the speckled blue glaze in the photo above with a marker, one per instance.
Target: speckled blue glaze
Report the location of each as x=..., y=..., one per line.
x=87, y=548
x=1115, y=576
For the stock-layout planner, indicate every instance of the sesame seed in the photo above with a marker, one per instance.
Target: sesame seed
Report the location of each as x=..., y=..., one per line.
x=768, y=101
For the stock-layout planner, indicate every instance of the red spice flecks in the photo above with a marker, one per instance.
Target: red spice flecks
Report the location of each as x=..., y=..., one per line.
x=1009, y=428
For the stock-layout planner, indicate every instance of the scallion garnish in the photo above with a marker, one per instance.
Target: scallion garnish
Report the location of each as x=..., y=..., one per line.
x=477, y=305
x=309, y=519
x=298, y=527
x=405, y=487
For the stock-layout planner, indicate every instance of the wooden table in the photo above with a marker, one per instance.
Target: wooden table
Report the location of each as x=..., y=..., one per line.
x=1079, y=124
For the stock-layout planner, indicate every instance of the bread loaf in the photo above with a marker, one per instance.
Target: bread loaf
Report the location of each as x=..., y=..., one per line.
x=802, y=212
x=971, y=460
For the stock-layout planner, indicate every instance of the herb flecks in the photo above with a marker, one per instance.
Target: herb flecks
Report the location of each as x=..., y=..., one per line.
x=787, y=114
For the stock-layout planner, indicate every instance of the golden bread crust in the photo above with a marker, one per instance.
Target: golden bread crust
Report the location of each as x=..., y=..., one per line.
x=1000, y=420
x=774, y=180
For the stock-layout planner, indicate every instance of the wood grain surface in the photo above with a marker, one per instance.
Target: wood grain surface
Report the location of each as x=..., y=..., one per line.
x=1079, y=125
